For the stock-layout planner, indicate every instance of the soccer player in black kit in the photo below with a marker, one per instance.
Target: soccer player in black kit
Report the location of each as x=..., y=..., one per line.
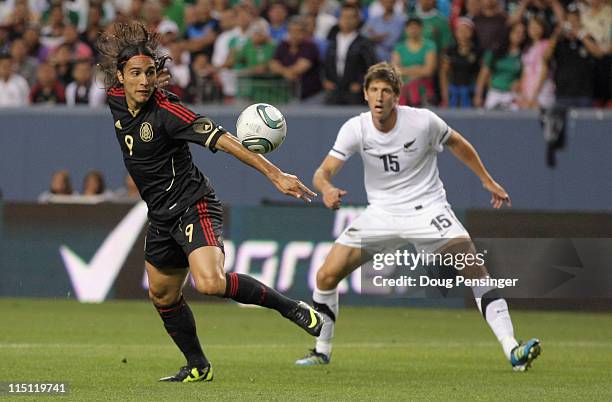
x=185, y=230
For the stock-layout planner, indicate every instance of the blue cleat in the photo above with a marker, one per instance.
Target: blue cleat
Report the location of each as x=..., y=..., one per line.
x=525, y=353
x=313, y=358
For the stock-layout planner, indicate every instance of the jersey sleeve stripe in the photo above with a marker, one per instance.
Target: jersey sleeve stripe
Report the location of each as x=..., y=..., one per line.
x=161, y=98
x=185, y=114
x=341, y=153
x=175, y=110
x=445, y=136
x=185, y=118
x=183, y=109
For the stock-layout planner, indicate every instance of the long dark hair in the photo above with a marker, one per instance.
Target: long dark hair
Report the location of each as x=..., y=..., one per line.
x=121, y=42
x=503, y=48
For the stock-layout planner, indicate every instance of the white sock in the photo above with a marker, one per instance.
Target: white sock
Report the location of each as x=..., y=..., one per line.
x=498, y=318
x=327, y=298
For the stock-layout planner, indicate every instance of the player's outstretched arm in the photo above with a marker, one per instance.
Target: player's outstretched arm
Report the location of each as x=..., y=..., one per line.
x=465, y=152
x=285, y=183
x=332, y=196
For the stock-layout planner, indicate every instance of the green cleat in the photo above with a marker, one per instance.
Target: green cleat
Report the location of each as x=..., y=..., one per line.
x=525, y=353
x=191, y=374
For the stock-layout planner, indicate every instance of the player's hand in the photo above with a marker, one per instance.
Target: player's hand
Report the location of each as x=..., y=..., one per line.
x=291, y=185
x=498, y=194
x=332, y=198
x=163, y=78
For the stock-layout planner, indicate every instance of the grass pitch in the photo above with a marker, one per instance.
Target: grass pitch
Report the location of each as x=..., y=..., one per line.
x=117, y=350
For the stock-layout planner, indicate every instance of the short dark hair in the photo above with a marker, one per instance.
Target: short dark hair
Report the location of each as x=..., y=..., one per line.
x=384, y=71
x=350, y=7
x=413, y=19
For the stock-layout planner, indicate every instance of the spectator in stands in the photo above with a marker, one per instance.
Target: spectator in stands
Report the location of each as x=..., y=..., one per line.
x=324, y=21
x=94, y=25
x=277, y=16
x=221, y=50
x=14, y=88
x=297, y=60
x=23, y=64
x=60, y=185
x=48, y=89
x=83, y=89
x=203, y=86
x=254, y=71
x=20, y=18
x=550, y=11
x=376, y=9
x=385, y=30
x=5, y=38
x=597, y=22
x=501, y=73
x=174, y=10
x=573, y=52
x=254, y=57
x=36, y=49
x=491, y=25
x=472, y=9
x=219, y=7
x=435, y=25
x=94, y=185
x=347, y=60
x=63, y=62
x=416, y=59
x=168, y=33
x=128, y=193
x=245, y=18
x=537, y=89
x=79, y=49
x=152, y=14
x=460, y=66
x=179, y=67
x=52, y=32
x=202, y=33
x=309, y=25
x=463, y=8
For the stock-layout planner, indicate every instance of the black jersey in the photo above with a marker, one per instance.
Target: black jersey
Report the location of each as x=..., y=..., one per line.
x=156, y=152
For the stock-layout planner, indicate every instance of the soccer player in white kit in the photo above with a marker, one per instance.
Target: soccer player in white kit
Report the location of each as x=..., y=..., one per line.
x=406, y=202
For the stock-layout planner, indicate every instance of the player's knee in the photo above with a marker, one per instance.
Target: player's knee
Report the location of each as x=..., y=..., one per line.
x=163, y=297
x=211, y=285
x=326, y=279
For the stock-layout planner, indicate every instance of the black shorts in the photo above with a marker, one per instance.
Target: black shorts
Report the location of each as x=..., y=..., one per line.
x=199, y=226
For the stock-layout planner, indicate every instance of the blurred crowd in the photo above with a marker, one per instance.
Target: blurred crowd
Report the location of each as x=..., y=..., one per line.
x=497, y=54
x=94, y=190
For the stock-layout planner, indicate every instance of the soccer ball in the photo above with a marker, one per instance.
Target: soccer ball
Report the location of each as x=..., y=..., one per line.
x=261, y=128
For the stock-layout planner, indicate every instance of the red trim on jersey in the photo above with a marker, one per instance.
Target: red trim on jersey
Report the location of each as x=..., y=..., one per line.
x=205, y=223
x=202, y=223
x=209, y=224
x=264, y=292
x=116, y=91
x=233, y=284
x=178, y=110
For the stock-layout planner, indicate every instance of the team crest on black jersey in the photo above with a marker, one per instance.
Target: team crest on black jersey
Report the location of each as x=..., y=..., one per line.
x=146, y=131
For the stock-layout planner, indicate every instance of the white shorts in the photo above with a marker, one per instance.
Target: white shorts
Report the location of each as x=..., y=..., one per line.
x=427, y=229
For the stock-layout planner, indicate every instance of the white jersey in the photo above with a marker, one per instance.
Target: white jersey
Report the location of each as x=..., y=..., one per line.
x=400, y=167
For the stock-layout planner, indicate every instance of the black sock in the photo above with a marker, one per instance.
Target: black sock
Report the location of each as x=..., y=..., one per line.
x=180, y=324
x=248, y=290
